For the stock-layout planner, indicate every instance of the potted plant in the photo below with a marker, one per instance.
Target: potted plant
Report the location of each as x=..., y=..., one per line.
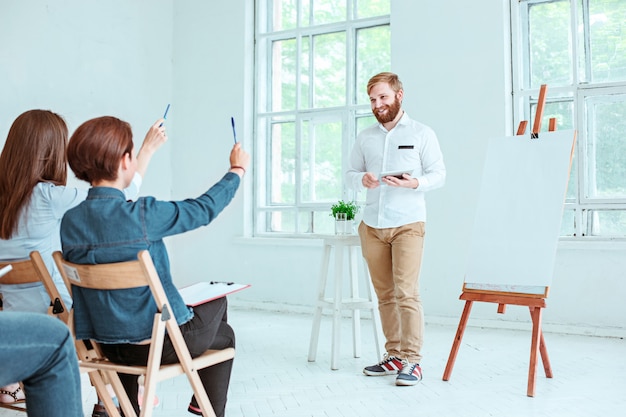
x=344, y=213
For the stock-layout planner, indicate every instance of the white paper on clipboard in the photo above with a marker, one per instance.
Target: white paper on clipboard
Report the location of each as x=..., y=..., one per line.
x=203, y=292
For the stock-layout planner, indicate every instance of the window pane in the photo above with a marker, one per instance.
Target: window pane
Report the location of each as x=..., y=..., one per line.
x=281, y=221
x=608, y=222
x=563, y=111
x=284, y=75
x=606, y=146
x=328, y=11
x=607, y=40
x=321, y=161
x=568, y=223
x=369, y=8
x=329, y=68
x=305, y=13
x=363, y=122
x=305, y=70
x=284, y=14
x=305, y=221
x=550, y=44
x=324, y=223
x=282, y=164
x=373, y=55
x=572, y=185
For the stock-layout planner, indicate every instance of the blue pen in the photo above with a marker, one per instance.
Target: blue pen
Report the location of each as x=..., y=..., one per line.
x=232, y=122
x=165, y=114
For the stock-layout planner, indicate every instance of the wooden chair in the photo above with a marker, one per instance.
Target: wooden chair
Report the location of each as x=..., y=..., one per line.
x=141, y=273
x=33, y=269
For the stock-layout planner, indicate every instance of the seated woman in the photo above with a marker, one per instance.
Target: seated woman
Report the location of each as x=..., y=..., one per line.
x=107, y=228
x=33, y=198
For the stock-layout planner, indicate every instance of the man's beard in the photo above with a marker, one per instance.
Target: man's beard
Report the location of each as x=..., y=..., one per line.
x=392, y=112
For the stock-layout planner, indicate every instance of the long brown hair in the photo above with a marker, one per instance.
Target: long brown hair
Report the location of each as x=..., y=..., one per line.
x=34, y=152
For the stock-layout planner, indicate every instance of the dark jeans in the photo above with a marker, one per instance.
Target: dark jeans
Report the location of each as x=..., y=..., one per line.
x=207, y=330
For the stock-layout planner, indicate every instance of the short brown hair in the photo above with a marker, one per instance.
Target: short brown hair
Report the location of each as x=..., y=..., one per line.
x=97, y=146
x=385, y=77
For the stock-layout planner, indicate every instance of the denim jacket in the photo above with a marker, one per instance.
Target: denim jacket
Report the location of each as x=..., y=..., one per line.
x=107, y=228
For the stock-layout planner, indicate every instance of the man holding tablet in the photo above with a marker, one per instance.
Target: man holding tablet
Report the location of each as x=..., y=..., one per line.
x=396, y=161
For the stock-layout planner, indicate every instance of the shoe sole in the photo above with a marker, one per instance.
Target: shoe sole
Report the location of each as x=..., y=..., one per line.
x=384, y=373
x=406, y=383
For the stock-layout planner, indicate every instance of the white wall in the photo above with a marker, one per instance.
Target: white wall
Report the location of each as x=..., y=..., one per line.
x=84, y=59
x=130, y=58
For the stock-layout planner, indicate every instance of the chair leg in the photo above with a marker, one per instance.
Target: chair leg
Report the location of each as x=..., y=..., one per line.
x=97, y=380
x=149, y=392
x=201, y=396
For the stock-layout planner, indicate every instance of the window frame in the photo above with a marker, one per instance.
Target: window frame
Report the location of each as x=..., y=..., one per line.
x=347, y=114
x=579, y=92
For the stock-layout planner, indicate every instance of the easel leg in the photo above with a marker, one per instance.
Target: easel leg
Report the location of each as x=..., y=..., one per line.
x=457, y=339
x=542, y=345
x=544, y=357
x=535, y=313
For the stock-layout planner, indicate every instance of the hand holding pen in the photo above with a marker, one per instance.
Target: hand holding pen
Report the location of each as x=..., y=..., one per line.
x=155, y=138
x=239, y=159
x=165, y=114
x=232, y=122
x=156, y=135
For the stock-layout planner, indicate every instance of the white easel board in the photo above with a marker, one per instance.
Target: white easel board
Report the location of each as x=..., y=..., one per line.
x=518, y=217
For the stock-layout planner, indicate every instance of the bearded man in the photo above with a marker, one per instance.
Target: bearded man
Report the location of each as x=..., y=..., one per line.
x=393, y=226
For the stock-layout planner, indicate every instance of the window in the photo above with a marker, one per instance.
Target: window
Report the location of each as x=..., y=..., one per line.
x=313, y=61
x=578, y=49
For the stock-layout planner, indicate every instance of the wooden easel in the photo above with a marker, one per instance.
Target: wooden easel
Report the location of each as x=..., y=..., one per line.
x=535, y=302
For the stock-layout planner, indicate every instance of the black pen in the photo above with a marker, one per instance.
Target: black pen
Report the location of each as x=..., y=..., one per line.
x=221, y=282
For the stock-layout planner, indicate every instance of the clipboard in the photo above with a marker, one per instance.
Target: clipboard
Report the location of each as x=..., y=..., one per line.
x=203, y=292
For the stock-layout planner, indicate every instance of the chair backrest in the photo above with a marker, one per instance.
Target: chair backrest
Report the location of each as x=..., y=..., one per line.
x=114, y=276
x=33, y=269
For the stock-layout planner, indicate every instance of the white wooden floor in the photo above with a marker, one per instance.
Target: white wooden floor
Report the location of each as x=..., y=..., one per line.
x=272, y=377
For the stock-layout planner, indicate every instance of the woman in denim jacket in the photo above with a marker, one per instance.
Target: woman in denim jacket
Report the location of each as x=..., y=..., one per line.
x=107, y=228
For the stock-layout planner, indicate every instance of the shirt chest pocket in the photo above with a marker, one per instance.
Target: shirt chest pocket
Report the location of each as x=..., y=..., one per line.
x=406, y=156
